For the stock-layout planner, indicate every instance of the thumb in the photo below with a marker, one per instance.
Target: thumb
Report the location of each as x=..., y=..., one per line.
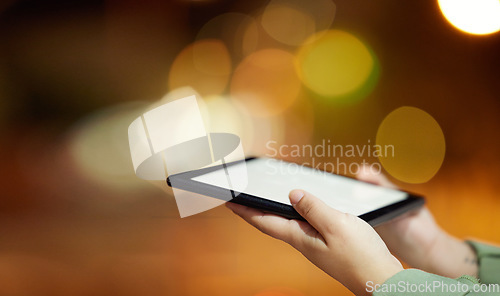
x=315, y=211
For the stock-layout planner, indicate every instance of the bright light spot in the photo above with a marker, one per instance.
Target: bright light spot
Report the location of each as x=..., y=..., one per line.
x=478, y=17
x=204, y=65
x=265, y=82
x=334, y=63
x=418, y=145
x=292, y=21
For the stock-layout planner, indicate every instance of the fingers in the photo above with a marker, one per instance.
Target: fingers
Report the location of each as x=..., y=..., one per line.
x=272, y=225
x=367, y=174
x=322, y=217
x=294, y=232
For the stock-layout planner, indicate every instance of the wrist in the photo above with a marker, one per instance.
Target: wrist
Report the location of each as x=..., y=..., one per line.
x=452, y=257
x=433, y=255
x=378, y=274
x=471, y=260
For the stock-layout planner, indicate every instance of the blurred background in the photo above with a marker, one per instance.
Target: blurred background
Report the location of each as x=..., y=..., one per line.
x=74, y=219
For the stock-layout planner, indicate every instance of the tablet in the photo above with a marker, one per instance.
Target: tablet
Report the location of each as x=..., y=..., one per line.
x=268, y=182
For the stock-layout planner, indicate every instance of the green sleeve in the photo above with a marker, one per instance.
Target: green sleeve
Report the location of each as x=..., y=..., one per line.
x=414, y=282
x=489, y=262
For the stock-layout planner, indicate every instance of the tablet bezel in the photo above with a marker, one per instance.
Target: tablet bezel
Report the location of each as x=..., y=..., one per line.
x=184, y=181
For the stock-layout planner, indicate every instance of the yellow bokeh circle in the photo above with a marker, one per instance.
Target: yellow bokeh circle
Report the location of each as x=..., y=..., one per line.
x=334, y=63
x=411, y=145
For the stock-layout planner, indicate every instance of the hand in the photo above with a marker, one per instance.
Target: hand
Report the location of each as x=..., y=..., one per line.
x=418, y=240
x=344, y=246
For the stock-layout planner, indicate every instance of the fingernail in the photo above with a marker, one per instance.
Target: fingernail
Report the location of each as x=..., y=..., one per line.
x=296, y=196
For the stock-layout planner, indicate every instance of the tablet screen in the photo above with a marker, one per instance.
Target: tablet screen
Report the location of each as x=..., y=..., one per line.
x=273, y=179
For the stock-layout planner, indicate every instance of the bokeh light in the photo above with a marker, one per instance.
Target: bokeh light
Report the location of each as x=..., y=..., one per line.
x=418, y=145
x=99, y=147
x=176, y=94
x=187, y=124
x=478, y=17
x=223, y=115
x=237, y=31
x=265, y=82
x=204, y=65
x=299, y=123
x=336, y=64
x=292, y=21
x=74, y=213
x=287, y=24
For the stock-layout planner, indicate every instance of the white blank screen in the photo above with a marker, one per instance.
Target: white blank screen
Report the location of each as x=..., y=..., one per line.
x=274, y=179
